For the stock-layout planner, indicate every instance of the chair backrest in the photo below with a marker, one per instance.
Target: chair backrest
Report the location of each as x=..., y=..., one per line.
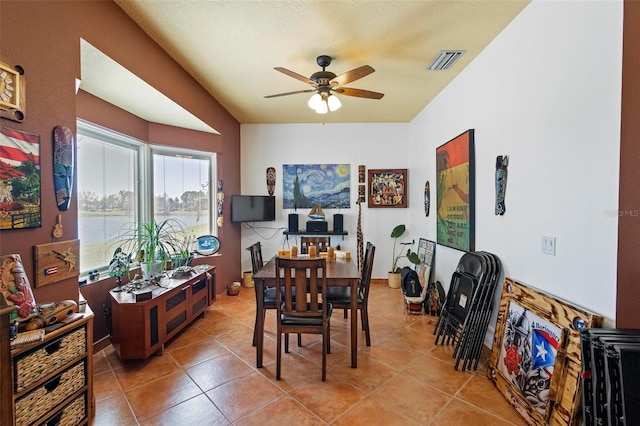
x=308, y=277
x=322, y=243
x=367, y=270
x=256, y=257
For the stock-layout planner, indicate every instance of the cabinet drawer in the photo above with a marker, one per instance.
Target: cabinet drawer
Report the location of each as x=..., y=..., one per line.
x=33, y=366
x=47, y=396
x=71, y=415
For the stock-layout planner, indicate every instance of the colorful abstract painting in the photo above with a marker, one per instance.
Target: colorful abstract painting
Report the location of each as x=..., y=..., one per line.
x=305, y=185
x=455, y=193
x=19, y=179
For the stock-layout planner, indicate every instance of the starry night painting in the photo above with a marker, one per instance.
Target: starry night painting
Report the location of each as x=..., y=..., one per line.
x=305, y=185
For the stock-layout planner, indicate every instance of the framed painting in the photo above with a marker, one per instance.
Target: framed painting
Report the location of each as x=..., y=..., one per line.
x=455, y=171
x=305, y=185
x=19, y=179
x=426, y=253
x=535, y=359
x=388, y=188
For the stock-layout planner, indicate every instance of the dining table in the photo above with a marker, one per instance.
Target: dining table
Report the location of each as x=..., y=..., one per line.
x=341, y=272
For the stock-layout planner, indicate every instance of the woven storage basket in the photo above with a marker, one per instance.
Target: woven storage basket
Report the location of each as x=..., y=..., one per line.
x=44, y=398
x=35, y=365
x=71, y=415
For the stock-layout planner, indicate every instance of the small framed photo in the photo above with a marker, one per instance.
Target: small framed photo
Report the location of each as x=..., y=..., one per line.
x=388, y=188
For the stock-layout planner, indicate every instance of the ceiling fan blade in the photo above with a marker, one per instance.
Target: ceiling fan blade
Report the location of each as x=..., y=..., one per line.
x=358, y=93
x=352, y=75
x=296, y=76
x=290, y=93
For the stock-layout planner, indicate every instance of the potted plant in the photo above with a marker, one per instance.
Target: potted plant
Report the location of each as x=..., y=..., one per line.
x=394, y=272
x=153, y=243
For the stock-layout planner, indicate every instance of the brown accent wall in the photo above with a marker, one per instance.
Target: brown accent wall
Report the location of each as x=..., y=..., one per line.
x=628, y=296
x=44, y=38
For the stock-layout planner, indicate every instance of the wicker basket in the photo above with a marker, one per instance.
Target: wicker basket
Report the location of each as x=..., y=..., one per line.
x=44, y=398
x=45, y=360
x=71, y=415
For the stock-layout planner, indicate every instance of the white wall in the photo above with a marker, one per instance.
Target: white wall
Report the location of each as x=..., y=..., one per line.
x=374, y=145
x=546, y=92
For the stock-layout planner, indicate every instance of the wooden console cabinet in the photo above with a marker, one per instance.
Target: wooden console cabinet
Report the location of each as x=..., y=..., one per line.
x=140, y=329
x=53, y=379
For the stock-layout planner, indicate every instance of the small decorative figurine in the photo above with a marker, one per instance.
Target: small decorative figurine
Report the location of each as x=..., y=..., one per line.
x=119, y=266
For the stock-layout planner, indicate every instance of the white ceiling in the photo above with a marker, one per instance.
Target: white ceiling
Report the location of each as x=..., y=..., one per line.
x=231, y=47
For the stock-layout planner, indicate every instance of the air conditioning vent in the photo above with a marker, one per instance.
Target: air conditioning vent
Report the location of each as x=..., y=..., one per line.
x=445, y=60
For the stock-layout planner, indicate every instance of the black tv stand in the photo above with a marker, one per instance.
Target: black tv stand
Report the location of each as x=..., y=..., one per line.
x=327, y=233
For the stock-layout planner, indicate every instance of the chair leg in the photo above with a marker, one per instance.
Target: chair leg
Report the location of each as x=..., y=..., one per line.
x=364, y=312
x=325, y=346
x=328, y=337
x=345, y=312
x=286, y=343
x=299, y=339
x=278, y=355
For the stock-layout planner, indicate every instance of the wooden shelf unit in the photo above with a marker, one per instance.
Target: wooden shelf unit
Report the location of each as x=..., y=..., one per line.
x=53, y=378
x=140, y=329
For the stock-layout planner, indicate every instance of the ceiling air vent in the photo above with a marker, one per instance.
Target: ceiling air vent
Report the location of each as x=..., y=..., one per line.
x=445, y=60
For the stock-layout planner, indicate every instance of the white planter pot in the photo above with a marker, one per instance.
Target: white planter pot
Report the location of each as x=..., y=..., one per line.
x=149, y=270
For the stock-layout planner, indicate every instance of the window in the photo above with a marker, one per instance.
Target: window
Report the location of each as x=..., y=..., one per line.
x=122, y=180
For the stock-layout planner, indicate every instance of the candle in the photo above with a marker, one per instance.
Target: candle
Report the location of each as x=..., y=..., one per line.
x=294, y=251
x=313, y=251
x=331, y=254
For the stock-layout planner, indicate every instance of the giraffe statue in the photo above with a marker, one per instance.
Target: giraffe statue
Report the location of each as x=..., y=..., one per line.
x=360, y=238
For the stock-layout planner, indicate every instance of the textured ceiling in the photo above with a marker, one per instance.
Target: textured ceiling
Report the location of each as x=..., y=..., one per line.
x=231, y=48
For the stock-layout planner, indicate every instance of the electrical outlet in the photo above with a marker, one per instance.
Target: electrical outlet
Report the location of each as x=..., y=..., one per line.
x=548, y=246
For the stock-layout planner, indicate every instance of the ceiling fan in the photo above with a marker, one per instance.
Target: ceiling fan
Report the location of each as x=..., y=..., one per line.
x=326, y=84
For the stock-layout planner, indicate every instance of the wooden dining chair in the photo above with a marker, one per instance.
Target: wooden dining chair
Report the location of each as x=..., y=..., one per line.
x=268, y=295
x=340, y=297
x=305, y=312
x=322, y=244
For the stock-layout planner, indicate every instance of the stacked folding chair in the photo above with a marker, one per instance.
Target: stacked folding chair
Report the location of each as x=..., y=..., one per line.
x=610, y=376
x=465, y=315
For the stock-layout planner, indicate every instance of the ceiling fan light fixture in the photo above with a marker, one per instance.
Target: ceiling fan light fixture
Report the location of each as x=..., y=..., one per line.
x=323, y=108
x=334, y=103
x=314, y=101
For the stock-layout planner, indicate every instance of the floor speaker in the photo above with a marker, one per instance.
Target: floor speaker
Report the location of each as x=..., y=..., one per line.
x=293, y=222
x=338, y=223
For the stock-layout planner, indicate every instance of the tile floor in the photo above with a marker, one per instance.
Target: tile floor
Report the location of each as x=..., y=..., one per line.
x=207, y=376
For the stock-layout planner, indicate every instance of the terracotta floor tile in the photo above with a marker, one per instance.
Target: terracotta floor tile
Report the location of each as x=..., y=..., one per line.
x=460, y=413
x=215, y=372
x=105, y=385
x=369, y=375
x=281, y=412
x=392, y=355
x=137, y=373
x=413, y=398
x=244, y=395
x=207, y=375
x=437, y=373
x=371, y=412
x=200, y=351
x=480, y=391
x=328, y=399
x=154, y=397
x=195, y=411
x=100, y=363
x=114, y=411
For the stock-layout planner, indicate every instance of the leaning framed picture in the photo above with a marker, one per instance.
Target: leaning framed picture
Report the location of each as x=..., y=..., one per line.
x=388, y=188
x=426, y=253
x=455, y=192
x=536, y=359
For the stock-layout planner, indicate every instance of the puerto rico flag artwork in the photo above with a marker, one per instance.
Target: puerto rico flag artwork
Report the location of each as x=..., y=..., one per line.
x=528, y=355
x=19, y=179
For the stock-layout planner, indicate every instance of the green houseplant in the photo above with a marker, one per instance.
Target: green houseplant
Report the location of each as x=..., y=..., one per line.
x=153, y=243
x=400, y=253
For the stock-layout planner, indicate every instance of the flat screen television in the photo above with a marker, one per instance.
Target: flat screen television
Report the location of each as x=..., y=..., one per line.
x=253, y=208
